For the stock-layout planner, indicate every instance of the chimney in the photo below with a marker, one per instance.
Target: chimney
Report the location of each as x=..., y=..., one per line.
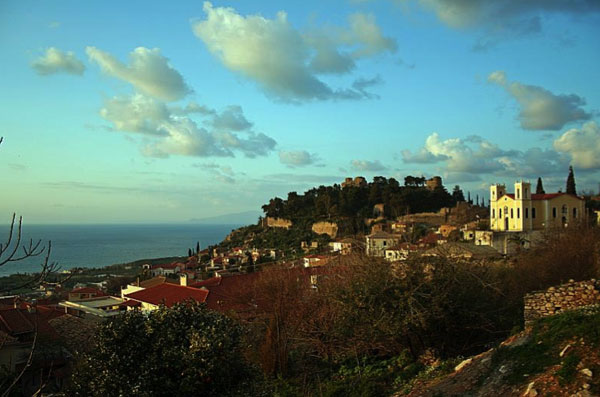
x=183, y=279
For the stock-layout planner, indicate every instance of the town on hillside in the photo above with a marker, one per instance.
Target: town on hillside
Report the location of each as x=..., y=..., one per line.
x=307, y=235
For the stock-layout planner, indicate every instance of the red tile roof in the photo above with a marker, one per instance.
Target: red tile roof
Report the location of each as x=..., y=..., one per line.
x=209, y=282
x=168, y=294
x=15, y=322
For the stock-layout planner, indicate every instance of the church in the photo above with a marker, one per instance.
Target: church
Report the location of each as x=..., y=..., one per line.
x=522, y=211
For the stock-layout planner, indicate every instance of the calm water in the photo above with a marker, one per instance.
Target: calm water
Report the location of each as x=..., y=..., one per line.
x=102, y=245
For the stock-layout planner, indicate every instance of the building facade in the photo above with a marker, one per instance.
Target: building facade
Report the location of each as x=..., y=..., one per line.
x=523, y=211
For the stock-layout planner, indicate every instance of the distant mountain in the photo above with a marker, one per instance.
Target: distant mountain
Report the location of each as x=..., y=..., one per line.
x=240, y=218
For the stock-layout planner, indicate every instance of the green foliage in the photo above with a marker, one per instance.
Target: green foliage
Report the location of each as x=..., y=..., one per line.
x=185, y=350
x=571, y=182
x=335, y=202
x=542, y=349
x=568, y=369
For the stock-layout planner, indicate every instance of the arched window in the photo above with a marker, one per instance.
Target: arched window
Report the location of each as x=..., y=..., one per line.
x=518, y=192
x=533, y=213
x=518, y=213
x=493, y=213
x=553, y=212
x=500, y=213
x=524, y=192
x=565, y=210
x=526, y=212
x=574, y=212
x=512, y=214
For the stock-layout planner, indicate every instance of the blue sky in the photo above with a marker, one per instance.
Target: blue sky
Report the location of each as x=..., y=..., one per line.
x=153, y=112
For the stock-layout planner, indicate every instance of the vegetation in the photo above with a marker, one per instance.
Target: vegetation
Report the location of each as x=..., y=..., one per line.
x=570, y=188
x=356, y=202
x=186, y=350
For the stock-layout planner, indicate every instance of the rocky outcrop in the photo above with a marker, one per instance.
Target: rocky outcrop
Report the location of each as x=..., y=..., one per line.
x=572, y=295
x=279, y=222
x=329, y=228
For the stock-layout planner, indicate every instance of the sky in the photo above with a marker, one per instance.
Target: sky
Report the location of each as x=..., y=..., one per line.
x=152, y=112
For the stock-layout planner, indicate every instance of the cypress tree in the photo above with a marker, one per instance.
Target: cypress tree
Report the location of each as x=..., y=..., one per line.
x=571, y=182
x=539, y=188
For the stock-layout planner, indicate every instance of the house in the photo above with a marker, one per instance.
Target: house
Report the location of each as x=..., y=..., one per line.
x=19, y=327
x=378, y=242
x=523, y=211
x=167, y=269
x=84, y=293
x=446, y=229
x=315, y=260
x=344, y=246
x=164, y=294
x=97, y=307
x=431, y=240
x=399, y=227
x=400, y=252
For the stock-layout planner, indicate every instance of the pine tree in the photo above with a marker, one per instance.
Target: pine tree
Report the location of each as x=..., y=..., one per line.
x=457, y=194
x=571, y=182
x=539, y=189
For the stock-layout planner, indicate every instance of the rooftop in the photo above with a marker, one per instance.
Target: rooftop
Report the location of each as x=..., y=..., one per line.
x=168, y=294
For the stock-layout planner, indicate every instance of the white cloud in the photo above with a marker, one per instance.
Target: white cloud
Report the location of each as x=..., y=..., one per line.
x=148, y=71
x=582, y=145
x=171, y=131
x=56, y=61
x=284, y=61
x=467, y=158
x=540, y=108
x=365, y=165
x=296, y=158
x=137, y=113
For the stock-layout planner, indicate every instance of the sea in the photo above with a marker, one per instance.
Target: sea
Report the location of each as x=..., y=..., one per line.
x=103, y=245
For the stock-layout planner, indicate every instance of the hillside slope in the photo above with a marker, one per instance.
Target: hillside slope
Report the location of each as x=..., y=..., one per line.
x=558, y=356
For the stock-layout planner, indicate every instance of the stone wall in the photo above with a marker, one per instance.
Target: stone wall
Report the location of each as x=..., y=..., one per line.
x=329, y=228
x=279, y=222
x=572, y=295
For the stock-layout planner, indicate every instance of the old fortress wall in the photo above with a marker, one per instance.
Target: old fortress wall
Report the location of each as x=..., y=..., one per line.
x=329, y=228
x=279, y=222
x=554, y=300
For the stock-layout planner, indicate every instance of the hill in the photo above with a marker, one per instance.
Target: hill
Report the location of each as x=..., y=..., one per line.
x=557, y=356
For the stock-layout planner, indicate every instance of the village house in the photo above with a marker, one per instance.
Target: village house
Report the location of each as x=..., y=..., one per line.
x=446, y=229
x=343, y=246
x=167, y=269
x=315, y=260
x=163, y=294
x=400, y=252
x=377, y=243
x=84, y=293
x=99, y=307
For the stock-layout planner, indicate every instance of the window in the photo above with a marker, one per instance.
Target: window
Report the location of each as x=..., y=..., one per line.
x=533, y=213
x=553, y=212
x=500, y=210
x=518, y=191
x=574, y=213
x=512, y=214
x=565, y=210
x=384, y=243
x=518, y=213
x=493, y=213
x=524, y=192
x=526, y=213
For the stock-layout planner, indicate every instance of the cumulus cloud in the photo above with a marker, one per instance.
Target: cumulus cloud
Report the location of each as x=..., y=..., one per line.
x=148, y=71
x=172, y=130
x=540, y=108
x=56, y=61
x=284, y=61
x=466, y=159
x=296, y=158
x=365, y=165
x=581, y=145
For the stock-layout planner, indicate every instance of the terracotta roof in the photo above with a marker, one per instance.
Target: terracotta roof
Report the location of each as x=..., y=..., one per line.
x=153, y=282
x=169, y=266
x=315, y=256
x=131, y=303
x=168, y=294
x=209, y=282
x=15, y=322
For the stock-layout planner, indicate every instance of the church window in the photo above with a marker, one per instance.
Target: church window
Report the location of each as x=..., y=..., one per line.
x=518, y=191
x=553, y=212
x=574, y=212
x=500, y=212
x=533, y=212
x=525, y=192
x=518, y=213
x=565, y=210
x=493, y=213
x=526, y=213
x=512, y=214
